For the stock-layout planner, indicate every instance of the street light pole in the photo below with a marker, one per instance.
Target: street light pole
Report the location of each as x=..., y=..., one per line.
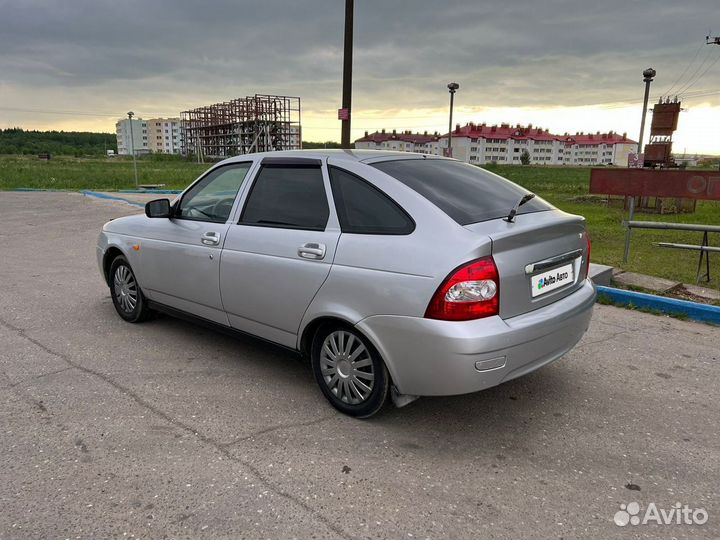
x=452, y=87
x=132, y=147
x=347, y=73
x=648, y=76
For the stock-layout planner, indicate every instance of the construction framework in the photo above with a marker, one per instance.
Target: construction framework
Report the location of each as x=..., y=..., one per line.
x=259, y=123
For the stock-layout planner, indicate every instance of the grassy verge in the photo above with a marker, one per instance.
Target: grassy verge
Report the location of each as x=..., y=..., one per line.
x=607, y=301
x=95, y=173
x=565, y=187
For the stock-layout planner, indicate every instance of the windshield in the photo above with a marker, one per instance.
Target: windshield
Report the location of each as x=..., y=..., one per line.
x=466, y=193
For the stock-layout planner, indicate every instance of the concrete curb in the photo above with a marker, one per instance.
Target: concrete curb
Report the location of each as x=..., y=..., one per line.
x=671, y=306
x=111, y=198
x=151, y=191
x=29, y=189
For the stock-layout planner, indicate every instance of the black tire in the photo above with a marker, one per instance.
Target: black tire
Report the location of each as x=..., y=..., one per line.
x=127, y=297
x=352, y=375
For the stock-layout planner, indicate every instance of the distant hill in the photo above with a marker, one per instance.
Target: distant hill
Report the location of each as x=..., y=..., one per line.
x=69, y=143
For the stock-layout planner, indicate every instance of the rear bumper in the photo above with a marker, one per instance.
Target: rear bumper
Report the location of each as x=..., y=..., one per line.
x=427, y=357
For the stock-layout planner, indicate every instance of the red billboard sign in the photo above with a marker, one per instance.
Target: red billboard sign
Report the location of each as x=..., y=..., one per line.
x=656, y=183
x=343, y=114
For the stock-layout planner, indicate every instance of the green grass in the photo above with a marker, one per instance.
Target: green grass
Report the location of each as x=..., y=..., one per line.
x=607, y=301
x=565, y=187
x=96, y=173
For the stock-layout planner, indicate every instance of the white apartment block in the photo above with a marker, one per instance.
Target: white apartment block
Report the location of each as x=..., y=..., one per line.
x=138, y=136
x=504, y=144
x=156, y=135
x=164, y=135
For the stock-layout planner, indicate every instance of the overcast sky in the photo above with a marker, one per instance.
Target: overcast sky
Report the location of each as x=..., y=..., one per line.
x=565, y=65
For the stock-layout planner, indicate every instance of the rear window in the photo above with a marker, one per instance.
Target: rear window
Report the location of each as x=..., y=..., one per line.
x=466, y=193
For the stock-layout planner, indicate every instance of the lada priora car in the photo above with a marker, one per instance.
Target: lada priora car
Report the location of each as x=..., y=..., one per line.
x=395, y=274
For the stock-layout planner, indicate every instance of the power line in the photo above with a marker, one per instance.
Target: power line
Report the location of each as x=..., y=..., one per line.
x=703, y=73
x=692, y=79
x=78, y=113
x=72, y=113
x=614, y=104
x=667, y=92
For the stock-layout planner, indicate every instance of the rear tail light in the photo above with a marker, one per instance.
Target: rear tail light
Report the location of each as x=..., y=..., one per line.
x=589, y=248
x=470, y=292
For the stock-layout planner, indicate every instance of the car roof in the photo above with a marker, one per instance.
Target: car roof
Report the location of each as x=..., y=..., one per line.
x=367, y=156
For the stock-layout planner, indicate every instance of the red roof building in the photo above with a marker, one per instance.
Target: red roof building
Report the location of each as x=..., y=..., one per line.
x=505, y=143
x=405, y=141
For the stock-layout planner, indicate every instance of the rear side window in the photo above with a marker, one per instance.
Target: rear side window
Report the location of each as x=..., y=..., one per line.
x=364, y=209
x=466, y=193
x=288, y=197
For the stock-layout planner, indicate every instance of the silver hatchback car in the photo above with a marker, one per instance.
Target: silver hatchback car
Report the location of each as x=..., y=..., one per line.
x=395, y=274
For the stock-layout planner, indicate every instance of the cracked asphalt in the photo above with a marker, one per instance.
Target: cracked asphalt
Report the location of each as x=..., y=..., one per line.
x=166, y=429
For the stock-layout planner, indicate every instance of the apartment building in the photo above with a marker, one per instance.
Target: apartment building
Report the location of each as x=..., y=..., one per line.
x=156, y=135
x=600, y=148
x=505, y=144
x=405, y=141
x=164, y=135
x=138, y=135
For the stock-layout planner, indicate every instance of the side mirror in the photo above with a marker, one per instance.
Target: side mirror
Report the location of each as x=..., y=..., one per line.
x=159, y=208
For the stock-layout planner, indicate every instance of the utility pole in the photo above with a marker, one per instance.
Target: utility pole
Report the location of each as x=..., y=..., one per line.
x=648, y=76
x=132, y=147
x=452, y=87
x=347, y=74
x=713, y=40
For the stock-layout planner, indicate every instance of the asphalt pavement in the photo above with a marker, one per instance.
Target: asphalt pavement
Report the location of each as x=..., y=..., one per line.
x=167, y=429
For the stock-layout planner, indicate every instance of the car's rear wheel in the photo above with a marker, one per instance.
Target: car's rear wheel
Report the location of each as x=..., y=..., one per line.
x=349, y=370
x=125, y=291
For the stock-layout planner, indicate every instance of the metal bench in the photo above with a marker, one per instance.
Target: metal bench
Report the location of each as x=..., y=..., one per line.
x=704, y=248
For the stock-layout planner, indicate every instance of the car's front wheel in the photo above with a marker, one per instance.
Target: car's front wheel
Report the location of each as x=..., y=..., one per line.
x=349, y=370
x=126, y=295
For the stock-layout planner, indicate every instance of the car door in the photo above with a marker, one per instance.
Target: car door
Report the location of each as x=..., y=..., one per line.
x=279, y=253
x=180, y=256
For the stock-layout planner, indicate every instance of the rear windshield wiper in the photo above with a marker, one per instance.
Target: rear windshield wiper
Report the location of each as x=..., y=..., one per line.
x=511, y=216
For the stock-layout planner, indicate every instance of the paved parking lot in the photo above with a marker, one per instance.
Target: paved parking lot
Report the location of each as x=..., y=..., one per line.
x=167, y=429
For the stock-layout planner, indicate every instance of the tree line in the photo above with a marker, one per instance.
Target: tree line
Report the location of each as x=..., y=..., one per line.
x=68, y=143
x=15, y=141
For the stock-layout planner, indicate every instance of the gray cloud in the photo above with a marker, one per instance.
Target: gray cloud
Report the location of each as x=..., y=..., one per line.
x=184, y=53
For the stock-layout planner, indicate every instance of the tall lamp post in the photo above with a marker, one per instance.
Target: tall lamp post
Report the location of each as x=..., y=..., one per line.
x=648, y=76
x=452, y=87
x=132, y=147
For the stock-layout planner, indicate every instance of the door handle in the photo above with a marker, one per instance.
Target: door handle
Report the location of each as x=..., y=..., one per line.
x=312, y=251
x=210, y=238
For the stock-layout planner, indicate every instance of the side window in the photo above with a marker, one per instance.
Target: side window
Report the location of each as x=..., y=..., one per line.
x=291, y=196
x=364, y=209
x=212, y=198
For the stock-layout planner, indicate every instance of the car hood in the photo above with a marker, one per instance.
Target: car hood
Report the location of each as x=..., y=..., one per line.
x=127, y=225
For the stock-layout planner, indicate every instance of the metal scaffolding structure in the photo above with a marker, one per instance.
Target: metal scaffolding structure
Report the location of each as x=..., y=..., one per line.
x=259, y=123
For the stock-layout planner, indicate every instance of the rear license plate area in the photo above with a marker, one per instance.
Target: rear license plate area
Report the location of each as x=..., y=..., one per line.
x=552, y=279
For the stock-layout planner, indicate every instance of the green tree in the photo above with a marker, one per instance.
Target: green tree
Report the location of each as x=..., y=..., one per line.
x=525, y=157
